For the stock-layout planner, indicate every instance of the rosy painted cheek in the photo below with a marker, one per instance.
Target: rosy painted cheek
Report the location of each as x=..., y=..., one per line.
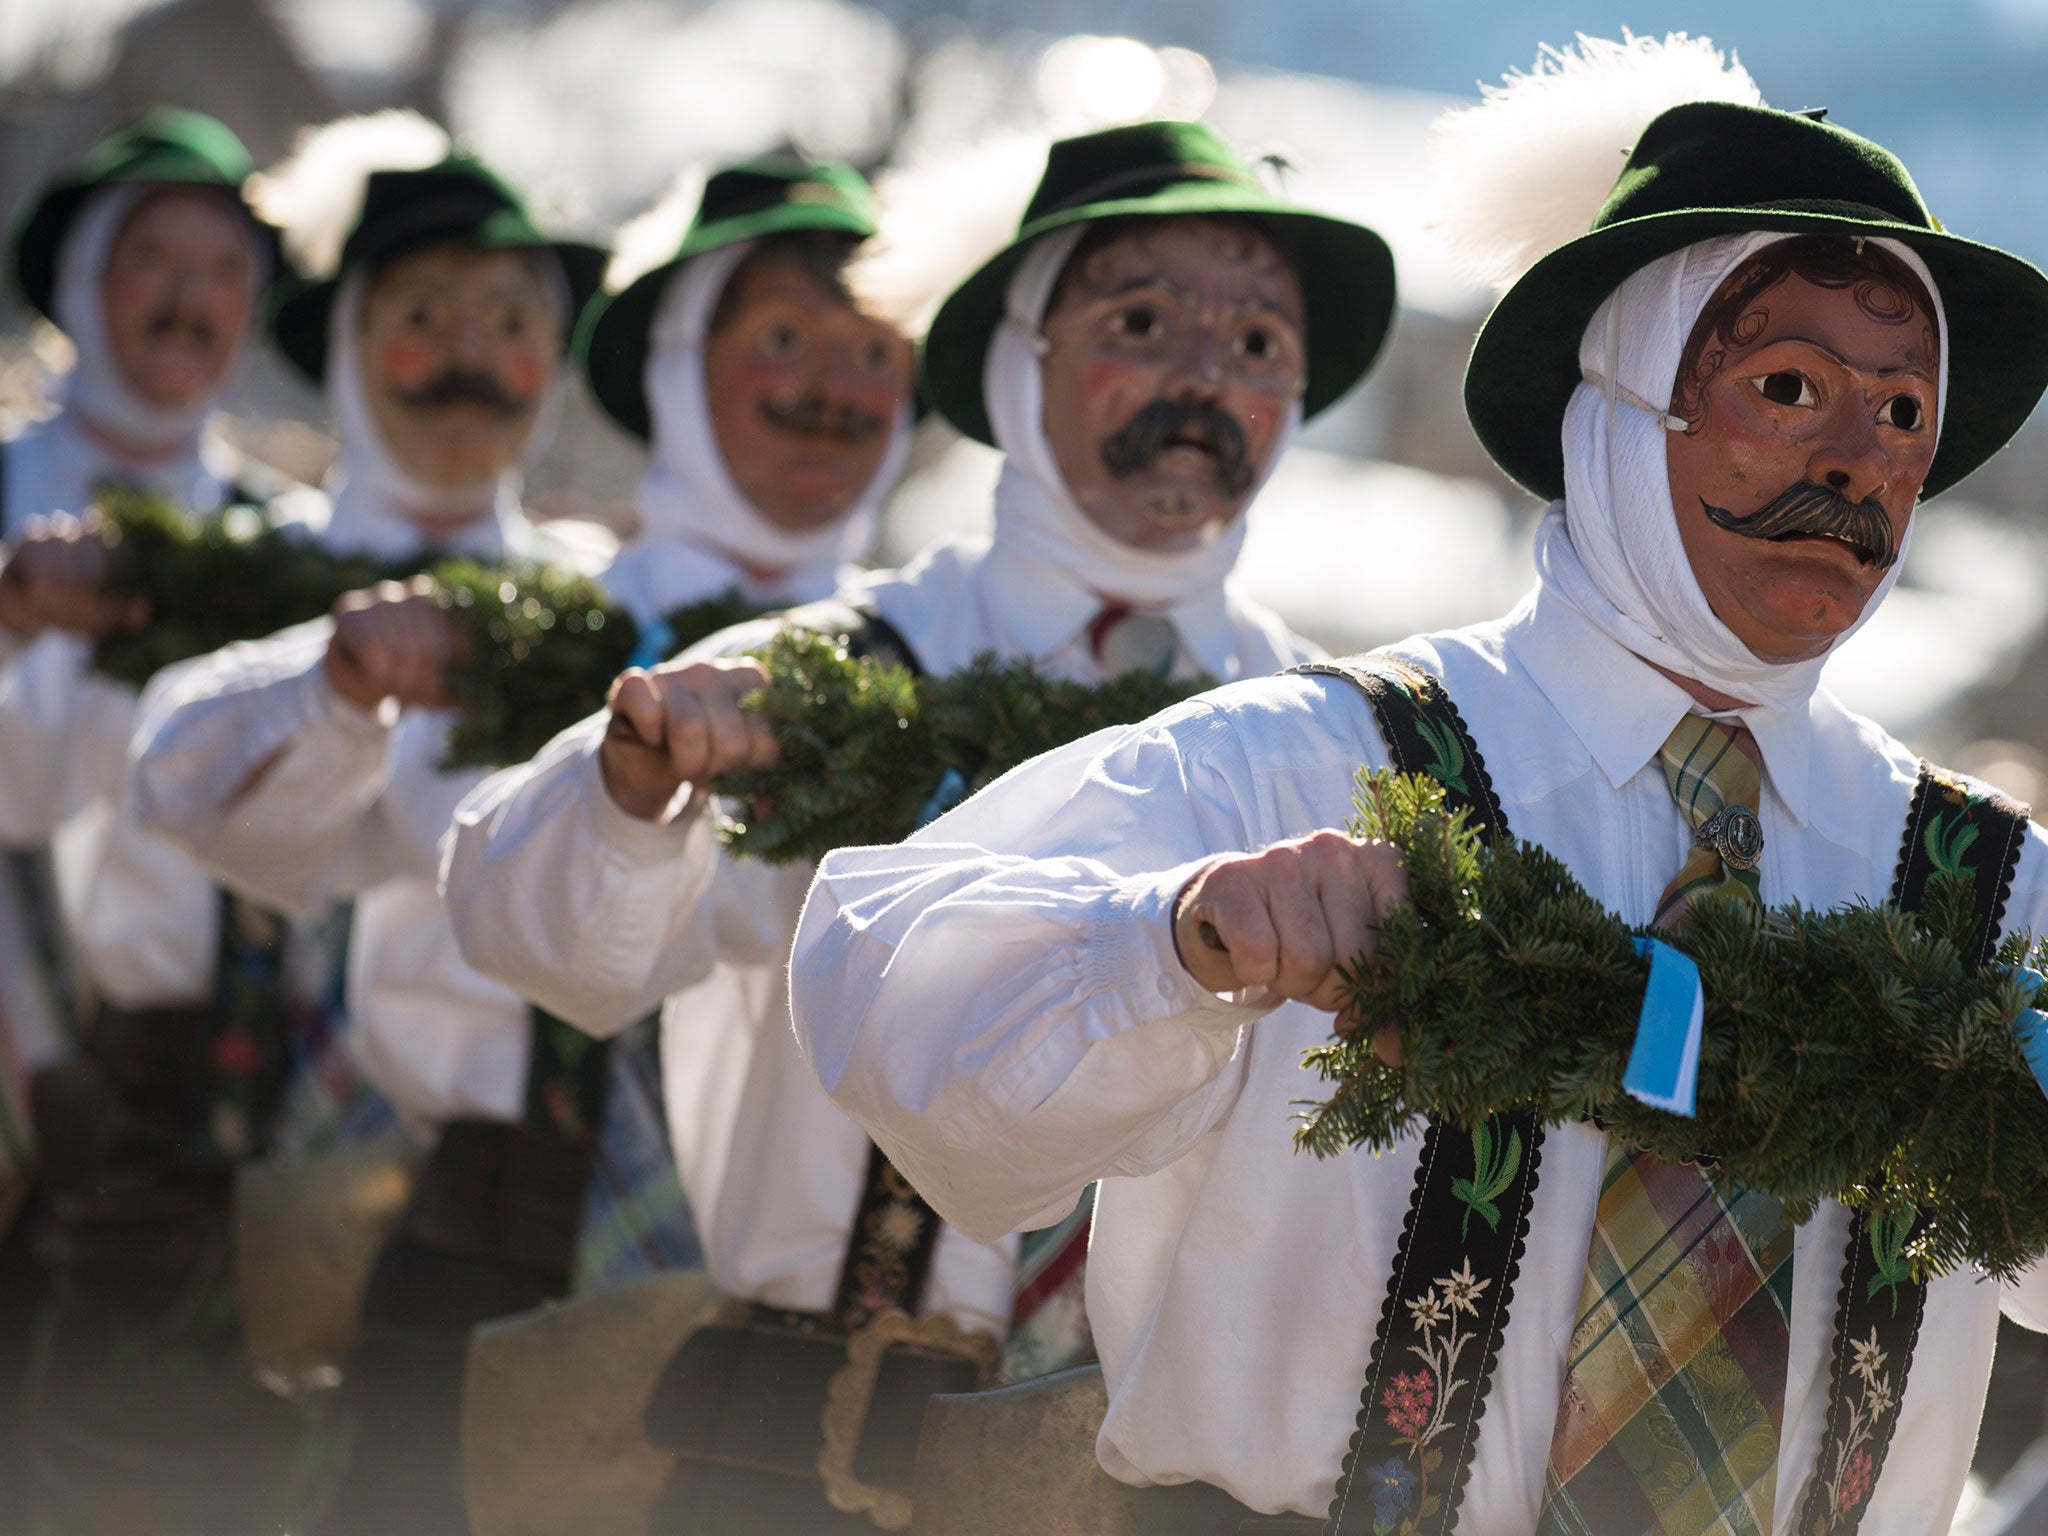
x=406, y=362
x=521, y=373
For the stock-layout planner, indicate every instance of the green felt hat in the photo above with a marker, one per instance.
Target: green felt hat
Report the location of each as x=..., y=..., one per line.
x=1163, y=170
x=459, y=201
x=770, y=195
x=164, y=146
x=1717, y=168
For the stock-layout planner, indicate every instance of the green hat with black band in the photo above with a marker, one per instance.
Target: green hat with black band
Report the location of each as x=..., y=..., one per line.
x=1167, y=170
x=166, y=147
x=1719, y=168
x=768, y=195
x=459, y=201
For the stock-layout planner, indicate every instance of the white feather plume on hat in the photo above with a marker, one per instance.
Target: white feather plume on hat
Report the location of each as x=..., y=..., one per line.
x=941, y=218
x=649, y=239
x=315, y=194
x=1527, y=168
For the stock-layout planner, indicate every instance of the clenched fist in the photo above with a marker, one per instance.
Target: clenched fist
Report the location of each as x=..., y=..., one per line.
x=1286, y=917
x=681, y=723
x=393, y=641
x=52, y=578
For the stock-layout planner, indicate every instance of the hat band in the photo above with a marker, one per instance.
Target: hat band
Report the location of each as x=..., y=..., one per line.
x=1833, y=208
x=1157, y=177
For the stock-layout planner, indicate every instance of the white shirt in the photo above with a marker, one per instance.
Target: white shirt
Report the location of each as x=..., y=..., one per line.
x=599, y=916
x=138, y=915
x=1000, y=1003
x=354, y=805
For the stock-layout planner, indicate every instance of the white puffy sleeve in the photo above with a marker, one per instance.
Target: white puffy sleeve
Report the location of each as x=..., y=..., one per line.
x=593, y=913
x=250, y=761
x=998, y=1000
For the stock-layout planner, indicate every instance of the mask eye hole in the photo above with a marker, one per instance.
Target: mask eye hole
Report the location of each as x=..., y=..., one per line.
x=1901, y=411
x=1786, y=388
x=1140, y=322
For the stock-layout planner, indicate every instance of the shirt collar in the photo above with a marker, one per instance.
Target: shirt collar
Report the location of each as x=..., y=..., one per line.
x=1622, y=709
x=1042, y=609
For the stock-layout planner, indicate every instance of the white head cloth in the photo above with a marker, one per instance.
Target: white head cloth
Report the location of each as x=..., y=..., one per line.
x=1611, y=548
x=377, y=501
x=1036, y=516
x=97, y=389
x=687, y=494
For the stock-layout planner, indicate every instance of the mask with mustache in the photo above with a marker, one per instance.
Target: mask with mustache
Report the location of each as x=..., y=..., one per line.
x=462, y=386
x=1155, y=428
x=1814, y=509
x=812, y=417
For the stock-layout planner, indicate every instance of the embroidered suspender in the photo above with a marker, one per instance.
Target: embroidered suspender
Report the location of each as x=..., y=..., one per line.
x=1446, y=1307
x=889, y=1249
x=1955, y=827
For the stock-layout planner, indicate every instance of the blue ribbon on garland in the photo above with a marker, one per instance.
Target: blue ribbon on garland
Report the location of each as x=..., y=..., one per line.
x=2032, y=1024
x=1664, y=1064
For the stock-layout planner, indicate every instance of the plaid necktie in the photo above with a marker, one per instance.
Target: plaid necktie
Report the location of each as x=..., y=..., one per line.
x=1674, y=1392
x=1049, y=1323
x=636, y=1218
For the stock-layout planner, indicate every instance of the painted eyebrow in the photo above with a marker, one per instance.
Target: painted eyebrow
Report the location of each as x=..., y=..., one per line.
x=1840, y=361
x=1138, y=284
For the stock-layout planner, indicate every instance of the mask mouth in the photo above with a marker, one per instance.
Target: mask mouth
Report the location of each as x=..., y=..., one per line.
x=1810, y=510
x=1200, y=425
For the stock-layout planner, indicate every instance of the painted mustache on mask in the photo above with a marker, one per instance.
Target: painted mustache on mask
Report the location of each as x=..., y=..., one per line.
x=1170, y=423
x=460, y=386
x=172, y=321
x=812, y=417
x=1809, y=508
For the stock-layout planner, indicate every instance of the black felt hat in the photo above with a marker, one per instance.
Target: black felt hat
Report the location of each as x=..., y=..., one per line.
x=165, y=146
x=770, y=195
x=1719, y=168
x=458, y=201
x=1165, y=170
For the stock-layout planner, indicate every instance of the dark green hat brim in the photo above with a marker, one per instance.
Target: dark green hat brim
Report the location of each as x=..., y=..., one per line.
x=612, y=341
x=1347, y=286
x=1525, y=362
x=301, y=310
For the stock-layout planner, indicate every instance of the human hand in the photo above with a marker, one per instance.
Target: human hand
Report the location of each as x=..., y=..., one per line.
x=54, y=577
x=393, y=641
x=681, y=723
x=1285, y=918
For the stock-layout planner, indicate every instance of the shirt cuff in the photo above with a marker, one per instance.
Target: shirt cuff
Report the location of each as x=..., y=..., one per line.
x=647, y=843
x=1131, y=948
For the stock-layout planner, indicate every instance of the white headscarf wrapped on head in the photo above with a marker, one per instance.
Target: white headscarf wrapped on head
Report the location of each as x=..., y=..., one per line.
x=1611, y=548
x=96, y=388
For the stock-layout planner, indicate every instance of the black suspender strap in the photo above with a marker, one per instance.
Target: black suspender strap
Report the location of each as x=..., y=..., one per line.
x=1967, y=836
x=889, y=1250
x=1446, y=1307
x=566, y=1076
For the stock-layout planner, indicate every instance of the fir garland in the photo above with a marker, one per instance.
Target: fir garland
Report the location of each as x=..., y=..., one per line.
x=870, y=752
x=212, y=581
x=1850, y=1054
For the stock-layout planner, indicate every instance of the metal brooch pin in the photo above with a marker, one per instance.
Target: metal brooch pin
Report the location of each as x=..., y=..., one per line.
x=1735, y=834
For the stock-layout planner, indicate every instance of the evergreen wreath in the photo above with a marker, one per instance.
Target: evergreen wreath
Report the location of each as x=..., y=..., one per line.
x=212, y=581
x=871, y=752
x=1851, y=1054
